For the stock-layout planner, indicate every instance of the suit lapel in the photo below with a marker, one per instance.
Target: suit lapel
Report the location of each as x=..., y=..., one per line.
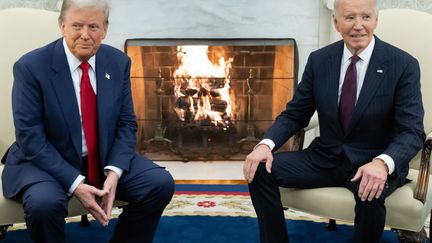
x=334, y=70
x=105, y=101
x=332, y=86
x=374, y=76
x=63, y=87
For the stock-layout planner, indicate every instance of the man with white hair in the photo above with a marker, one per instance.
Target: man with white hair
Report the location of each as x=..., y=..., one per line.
x=367, y=96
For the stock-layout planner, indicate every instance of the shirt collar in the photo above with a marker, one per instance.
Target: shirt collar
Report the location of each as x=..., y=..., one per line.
x=75, y=62
x=365, y=55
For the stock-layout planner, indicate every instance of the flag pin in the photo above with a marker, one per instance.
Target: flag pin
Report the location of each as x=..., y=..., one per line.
x=380, y=71
x=107, y=76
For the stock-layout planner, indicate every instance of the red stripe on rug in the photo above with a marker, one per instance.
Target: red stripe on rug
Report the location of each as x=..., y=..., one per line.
x=212, y=193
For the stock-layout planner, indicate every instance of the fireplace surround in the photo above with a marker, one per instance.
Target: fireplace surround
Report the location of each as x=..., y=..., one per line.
x=208, y=99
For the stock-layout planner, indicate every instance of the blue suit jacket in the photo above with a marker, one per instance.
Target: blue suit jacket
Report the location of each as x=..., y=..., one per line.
x=388, y=117
x=47, y=122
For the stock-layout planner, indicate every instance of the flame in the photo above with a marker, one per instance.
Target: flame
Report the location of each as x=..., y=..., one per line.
x=201, y=84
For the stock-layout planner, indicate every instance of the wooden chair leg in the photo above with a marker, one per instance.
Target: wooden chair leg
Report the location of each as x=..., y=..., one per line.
x=405, y=236
x=3, y=231
x=331, y=226
x=84, y=221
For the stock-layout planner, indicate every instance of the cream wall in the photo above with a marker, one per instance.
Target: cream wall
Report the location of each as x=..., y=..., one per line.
x=308, y=21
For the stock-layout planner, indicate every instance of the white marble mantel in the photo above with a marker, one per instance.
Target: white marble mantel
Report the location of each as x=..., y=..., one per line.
x=208, y=19
x=308, y=21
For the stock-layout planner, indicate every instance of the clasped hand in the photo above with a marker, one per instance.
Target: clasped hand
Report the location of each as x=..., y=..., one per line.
x=88, y=195
x=373, y=177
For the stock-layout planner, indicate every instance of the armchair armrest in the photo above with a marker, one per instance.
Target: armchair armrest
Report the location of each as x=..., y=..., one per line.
x=420, y=192
x=298, y=138
x=313, y=123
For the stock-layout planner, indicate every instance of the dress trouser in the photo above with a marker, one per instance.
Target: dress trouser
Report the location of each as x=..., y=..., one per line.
x=312, y=169
x=146, y=187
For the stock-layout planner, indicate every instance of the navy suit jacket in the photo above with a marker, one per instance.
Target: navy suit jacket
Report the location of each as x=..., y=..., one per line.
x=47, y=121
x=388, y=117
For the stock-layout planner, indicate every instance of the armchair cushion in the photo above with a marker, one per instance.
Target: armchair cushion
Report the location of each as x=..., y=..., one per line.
x=403, y=210
x=21, y=30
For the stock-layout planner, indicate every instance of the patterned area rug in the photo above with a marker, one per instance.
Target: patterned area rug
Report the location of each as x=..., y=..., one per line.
x=220, y=200
x=228, y=200
x=225, y=200
x=194, y=207
x=210, y=200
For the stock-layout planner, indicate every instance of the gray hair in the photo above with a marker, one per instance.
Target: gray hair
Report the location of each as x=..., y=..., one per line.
x=337, y=2
x=102, y=5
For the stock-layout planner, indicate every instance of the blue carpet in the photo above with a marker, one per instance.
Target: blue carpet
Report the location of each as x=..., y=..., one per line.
x=208, y=229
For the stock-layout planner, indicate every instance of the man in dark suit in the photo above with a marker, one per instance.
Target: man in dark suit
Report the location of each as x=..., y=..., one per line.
x=75, y=134
x=367, y=96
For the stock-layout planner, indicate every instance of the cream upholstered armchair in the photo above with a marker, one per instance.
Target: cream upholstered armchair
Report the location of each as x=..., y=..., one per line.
x=409, y=206
x=21, y=30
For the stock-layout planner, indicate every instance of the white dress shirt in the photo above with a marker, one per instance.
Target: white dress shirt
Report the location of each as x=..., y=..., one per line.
x=76, y=74
x=361, y=67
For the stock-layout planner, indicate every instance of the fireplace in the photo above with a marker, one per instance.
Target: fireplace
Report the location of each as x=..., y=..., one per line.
x=208, y=99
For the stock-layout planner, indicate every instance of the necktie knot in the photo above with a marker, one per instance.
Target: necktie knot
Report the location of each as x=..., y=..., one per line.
x=354, y=59
x=84, y=66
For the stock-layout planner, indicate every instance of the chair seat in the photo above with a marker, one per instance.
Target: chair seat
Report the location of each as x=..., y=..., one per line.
x=11, y=211
x=403, y=210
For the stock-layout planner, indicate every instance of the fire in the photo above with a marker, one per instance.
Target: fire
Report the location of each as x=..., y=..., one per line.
x=202, y=87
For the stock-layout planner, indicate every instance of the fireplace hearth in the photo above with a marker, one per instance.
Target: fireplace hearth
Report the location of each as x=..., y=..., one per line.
x=200, y=99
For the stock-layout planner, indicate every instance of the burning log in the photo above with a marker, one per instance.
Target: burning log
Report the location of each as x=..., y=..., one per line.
x=218, y=105
x=202, y=87
x=202, y=92
x=190, y=92
x=214, y=93
x=183, y=103
x=206, y=121
x=217, y=83
x=189, y=116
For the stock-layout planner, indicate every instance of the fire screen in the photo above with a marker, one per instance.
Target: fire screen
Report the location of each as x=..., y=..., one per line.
x=201, y=99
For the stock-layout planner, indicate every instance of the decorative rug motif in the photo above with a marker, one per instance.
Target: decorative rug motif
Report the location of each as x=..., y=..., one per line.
x=218, y=201
x=210, y=203
x=228, y=200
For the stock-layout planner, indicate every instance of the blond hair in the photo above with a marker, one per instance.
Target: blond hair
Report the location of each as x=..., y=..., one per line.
x=102, y=5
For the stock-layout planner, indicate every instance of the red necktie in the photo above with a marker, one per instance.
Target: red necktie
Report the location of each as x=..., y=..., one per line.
x=348, y=94
x=89, y=120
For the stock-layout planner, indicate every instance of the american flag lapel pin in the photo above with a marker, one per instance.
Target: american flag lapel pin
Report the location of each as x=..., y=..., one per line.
x=107, y=76
x=380, y=71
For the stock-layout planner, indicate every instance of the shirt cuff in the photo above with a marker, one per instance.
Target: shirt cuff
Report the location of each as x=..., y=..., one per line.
x=267, y=142
x=389, y=162
x=117, y=170
x=75, y=184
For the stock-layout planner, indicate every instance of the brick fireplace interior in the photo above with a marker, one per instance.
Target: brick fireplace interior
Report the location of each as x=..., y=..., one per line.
x=202, y=99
